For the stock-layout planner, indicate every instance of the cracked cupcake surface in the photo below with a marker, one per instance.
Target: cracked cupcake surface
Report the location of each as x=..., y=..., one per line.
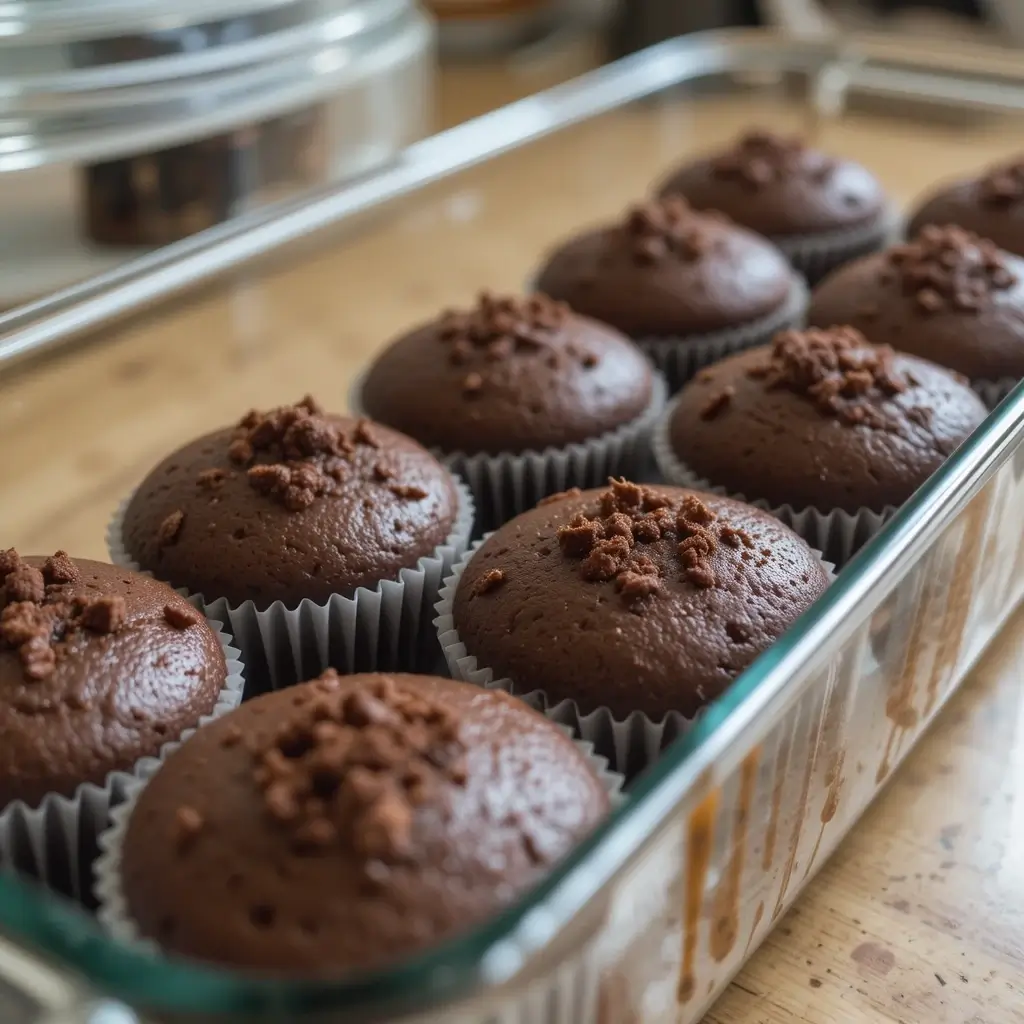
x=290, y=503
x=824, y=419
x=634, y=598
x=350, y=821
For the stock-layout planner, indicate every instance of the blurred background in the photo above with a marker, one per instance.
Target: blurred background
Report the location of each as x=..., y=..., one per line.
x=126, y=125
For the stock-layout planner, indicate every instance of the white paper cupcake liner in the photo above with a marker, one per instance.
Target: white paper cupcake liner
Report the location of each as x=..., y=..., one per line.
x=381, y=628
x=680, y=359
x=631, y=744
x=835, y=532
x=509, y=483
x=112, y=909
x=816, y=256
x=992, y=392
x=56, y=841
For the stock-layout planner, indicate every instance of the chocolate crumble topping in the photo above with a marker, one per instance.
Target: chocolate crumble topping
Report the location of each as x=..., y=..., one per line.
x=717, y=402
x=1003, y=185
x=36, y=618
x=501, y=327
x=948, y=268
x=169, y=529
x=610, y=544
x=760, y=158
x=354, y=765
x=181, y=616
x=491, y=580
x=667, y=228
x=837, y=369
x=303, y=454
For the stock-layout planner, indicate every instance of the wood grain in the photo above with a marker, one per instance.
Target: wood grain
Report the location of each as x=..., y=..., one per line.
x=920, y=916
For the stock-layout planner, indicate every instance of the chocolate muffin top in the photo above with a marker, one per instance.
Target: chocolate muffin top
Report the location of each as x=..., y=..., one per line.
x=668, y=270
x=780, y=187
x=823, y=419
x=290, y=504
x=99, y=667
x=991, y=205
x=350, y=821
x=633, y=598
x=948, y=296
x=509, y=375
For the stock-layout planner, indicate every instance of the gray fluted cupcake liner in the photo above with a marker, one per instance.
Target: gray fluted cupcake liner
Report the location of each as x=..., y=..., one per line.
x=55, y=841
x=630, y=744
x=681, y=359
x=509, y=483
x=816, y=256
x=113, y=911
x=377, y=628
x=835, y=532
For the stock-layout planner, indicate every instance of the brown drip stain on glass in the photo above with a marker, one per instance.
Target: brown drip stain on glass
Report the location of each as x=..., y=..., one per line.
x=813, y=744
x=698, y=859
x=960, y=590
x=955, y=597
x=725, y=919
x=772, y=832
x=758, y=915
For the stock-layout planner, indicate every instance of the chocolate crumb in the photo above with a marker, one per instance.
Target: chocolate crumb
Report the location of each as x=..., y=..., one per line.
x=837, y=370
x=211, y=479
x=170, y=528
x=364, y=434
x=472, y=383
x=59, y=569
x=949, y=268
x=761, y=158
x=666, y=228
x=181, y=616
x=351, y=767
x=25, y=584
x=491, y=580
x=573, y=492
x=188, y=823
x=717, y=403
x=408, y=492
x=9, y=561
x=104, y=615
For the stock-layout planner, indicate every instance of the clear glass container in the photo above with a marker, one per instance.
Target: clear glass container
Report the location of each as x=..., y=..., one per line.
x=651, y=917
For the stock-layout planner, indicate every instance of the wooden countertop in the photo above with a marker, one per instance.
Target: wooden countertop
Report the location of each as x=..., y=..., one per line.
x=920, y=915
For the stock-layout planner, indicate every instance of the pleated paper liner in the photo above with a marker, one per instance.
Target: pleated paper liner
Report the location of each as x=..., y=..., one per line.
x=380, y=628
x=838, y=534
x=815, y=256
x=680, y=359
x=509, y=483
x=631, y=744
x=113, y=910
x=56, y=841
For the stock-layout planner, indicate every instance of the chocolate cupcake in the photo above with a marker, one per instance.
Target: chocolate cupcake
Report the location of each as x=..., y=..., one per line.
x=346, y=824
x=991, y=205
x=100, y=668
x=820, y=210
x=321, y=539
x=521, y=397
x=828, y=431
x=688, y=287
x=948, y=296
x=628, y=609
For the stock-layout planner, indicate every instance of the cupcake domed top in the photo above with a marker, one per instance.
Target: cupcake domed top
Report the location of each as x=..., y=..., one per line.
x=668, y=270
x=289, y=504
x=508, y=375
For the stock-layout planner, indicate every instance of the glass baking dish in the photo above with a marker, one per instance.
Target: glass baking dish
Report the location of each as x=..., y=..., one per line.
x=651, y=917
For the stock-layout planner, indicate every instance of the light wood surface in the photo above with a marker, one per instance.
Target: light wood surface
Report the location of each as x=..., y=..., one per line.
x=920, y=916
